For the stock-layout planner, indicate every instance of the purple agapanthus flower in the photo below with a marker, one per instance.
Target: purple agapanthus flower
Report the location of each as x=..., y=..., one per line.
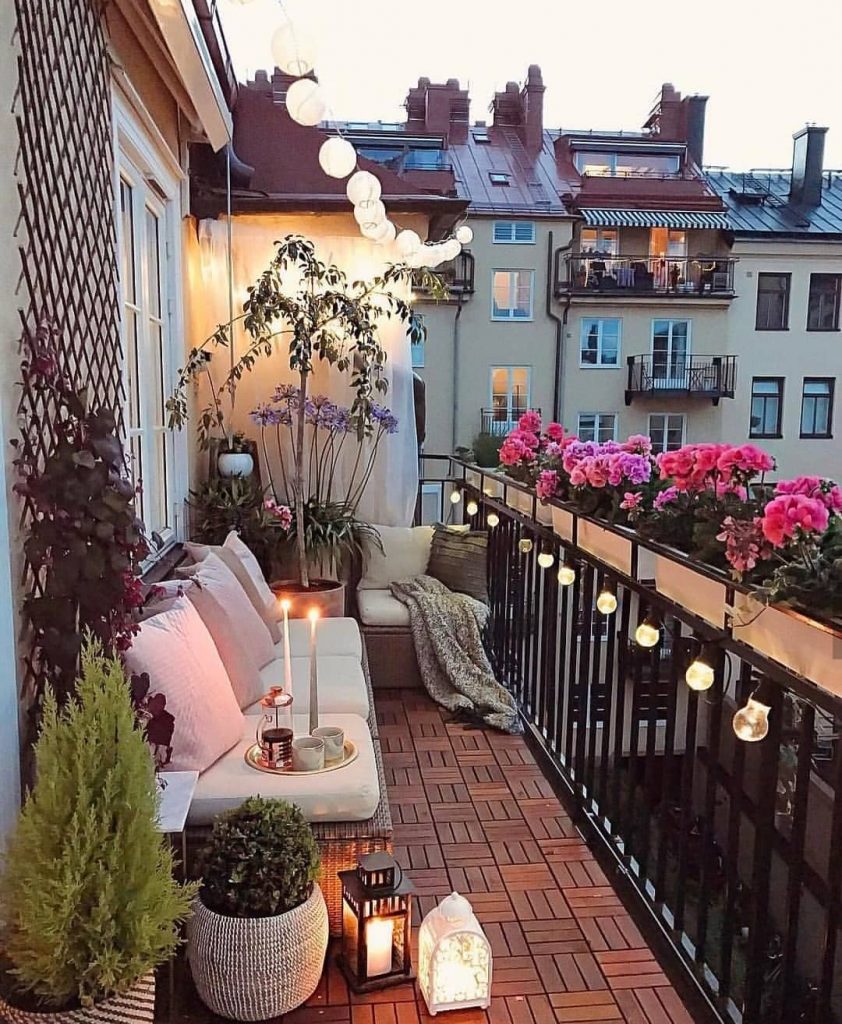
x=265, y=415
x=384, y=417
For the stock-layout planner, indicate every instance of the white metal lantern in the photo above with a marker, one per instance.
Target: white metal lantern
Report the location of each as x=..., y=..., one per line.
x=454, y=958
x=363, y=187
x=293, y=49
x=305, y=102
x=337, y=157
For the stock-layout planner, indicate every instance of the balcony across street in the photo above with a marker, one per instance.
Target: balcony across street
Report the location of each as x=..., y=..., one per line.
x=664, y=374
x=596, y=274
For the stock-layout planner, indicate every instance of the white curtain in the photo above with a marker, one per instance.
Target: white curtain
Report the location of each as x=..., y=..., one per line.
x=389, y=498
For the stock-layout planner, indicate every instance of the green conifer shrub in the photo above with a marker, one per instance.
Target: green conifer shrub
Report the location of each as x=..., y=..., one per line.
x=87, y=895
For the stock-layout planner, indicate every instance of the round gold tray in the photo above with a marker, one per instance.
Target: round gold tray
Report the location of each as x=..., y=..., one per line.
x=252, y=757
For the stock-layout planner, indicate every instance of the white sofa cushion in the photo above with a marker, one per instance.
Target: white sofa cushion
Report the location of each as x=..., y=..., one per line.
x=175, y=648
x=351, y=793
x=380, y=608
x=406, y=552
x=335, y=636
x=342, y=687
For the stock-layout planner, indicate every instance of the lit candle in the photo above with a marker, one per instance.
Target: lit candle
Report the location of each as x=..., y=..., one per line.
x=313, y=615
x=378, y=941
x=285, y=606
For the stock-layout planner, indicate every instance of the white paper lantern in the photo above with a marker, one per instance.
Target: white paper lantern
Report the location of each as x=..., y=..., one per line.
x=305, y=102
x=450, y=250
x=371, y=216
x=417, y=259
x=434, y=254
x=389, y=233
x=464, y=235
x=293, y=49
x=380, y=232
x=408, y=241
x=337, y=157
x=363, y=187
x=454, y=958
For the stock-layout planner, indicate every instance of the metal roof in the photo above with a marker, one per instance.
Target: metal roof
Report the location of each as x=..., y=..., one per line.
x=606, y=217
x=757, y=203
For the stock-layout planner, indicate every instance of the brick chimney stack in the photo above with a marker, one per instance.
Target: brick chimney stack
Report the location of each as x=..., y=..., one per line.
x=805, y=185
x=532, y=101
x=436, y=107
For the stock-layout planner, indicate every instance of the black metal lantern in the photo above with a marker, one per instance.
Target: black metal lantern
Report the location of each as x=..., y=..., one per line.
x=376, y=924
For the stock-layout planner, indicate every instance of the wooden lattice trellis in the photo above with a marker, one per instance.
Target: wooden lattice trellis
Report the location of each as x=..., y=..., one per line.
x=65, y=232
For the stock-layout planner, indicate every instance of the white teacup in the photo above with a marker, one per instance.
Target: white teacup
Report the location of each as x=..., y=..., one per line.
x=334, y=741
x=308, y=753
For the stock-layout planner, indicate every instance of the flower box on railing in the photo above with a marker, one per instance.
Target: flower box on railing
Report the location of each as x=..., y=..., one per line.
x=544, y=514
x=473, y=479
x=693, y=590
x=563, y=523
x=803, y=645
x=606, y=544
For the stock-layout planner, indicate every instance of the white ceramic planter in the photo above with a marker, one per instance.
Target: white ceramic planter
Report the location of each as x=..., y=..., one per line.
x=137, y=1006
x=803, y=645
x=562, y=523
x=235, y=464
x=692, y=590
x=605, y=544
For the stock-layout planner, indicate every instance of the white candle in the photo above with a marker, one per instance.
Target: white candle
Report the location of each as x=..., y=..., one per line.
x=378, y=941
x=313, y=615
x=287, y=653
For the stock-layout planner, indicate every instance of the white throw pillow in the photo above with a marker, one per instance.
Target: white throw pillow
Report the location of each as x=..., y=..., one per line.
x=177, y=651
x=213, y=575
x=405, y=554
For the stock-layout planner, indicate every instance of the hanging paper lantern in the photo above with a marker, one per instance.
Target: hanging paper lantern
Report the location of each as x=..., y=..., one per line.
x=389, y=233
x=337, y=157
x=371, y=216
x=408, y=241
x=293, y=49
x=450, y=250
x=305, y=102
x=382, y=232
x=464, y=235
x=363, y=187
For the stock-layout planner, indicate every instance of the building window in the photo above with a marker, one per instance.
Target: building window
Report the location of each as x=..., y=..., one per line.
x=766, y=406
x=600, y=343
x=604, y=241
x=670, y=353
x=499, y=178
x=626, y=165
x=481, y=136
x=823, y=303
x=417, y=333
x=772, y=302
x=511, y=295
x=817, y=406
x=597, y=426
x=514, y=231
x=666, y=431
x=509, y=392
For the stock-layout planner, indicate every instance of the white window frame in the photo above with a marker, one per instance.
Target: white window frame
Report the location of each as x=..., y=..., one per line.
x=509, y=319
x=599, y=365
x=142, y=156
x=667, y=381
x=666, y=416
x=509, y=368
x=513, y=225
x=600, y=232
x=597, y=417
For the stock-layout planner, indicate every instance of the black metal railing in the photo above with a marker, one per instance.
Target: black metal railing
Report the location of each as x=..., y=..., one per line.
x=458, y=275
x=500, y=421
x=712, y=377
x=677, y=276
x=732, y=849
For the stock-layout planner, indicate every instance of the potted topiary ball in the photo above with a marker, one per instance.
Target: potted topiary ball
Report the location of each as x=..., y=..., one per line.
x=235, y=458
x=258, y=936
x=87, y=898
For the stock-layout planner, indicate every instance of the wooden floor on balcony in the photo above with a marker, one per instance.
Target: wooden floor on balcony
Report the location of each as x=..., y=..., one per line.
x=473, y=812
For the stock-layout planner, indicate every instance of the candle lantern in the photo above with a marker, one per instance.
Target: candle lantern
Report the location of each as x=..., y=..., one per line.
x=274, y=729
x=376, y=924
x=454, y=958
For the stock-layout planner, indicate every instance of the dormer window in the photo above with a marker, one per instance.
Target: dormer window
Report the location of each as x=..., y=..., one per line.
x=593, y=163
x=481, y=136
x=499, y=178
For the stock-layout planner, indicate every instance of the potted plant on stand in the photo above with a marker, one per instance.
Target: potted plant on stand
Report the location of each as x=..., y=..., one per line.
x=258, y=938
x=87, y=898
x=235, y=458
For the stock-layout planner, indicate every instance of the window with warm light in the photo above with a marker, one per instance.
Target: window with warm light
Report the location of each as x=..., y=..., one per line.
x=604, y=241
x=595, y=163
x=511, y=294
x=509, y=393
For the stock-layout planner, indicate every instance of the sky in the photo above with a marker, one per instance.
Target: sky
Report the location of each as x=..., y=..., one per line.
x=767, y=67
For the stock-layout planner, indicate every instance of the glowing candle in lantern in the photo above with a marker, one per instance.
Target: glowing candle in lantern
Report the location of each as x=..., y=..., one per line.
x=313, y=616
x=378, y=937
x=285, y=606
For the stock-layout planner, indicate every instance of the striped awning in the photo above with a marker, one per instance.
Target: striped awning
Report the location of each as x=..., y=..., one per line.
x=689, y=219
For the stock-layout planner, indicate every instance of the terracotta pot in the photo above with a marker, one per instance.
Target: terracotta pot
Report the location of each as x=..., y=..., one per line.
x=326, y=595
x=137, y=1006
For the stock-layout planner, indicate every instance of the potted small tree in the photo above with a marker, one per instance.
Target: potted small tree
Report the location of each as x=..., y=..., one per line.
x=258, y=937
x=87, y=898
x=235, y=458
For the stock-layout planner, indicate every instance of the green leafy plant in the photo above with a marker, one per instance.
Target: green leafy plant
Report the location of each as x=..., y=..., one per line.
x=262, y=860
x=237, y=444
x=325, y=318
x=84, y=542
x=87, y=895
x=486, y=449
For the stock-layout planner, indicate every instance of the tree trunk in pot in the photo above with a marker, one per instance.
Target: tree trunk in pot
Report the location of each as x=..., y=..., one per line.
x=303, y=569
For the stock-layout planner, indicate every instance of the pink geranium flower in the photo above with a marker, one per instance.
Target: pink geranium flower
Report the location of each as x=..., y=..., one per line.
x=546, y=484
x=530, y=422
x=631, y=501
x=555, y=432
x=793, y=516
x=813, y=487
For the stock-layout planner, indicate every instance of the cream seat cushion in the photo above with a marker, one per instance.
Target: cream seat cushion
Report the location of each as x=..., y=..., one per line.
x=335, y=636
x=351, y=793
x=342, y=687
x=406, y=551
x=380, y=608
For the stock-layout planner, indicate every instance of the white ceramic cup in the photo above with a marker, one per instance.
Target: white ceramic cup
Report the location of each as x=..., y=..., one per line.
x=334, y=741
x=308, y=753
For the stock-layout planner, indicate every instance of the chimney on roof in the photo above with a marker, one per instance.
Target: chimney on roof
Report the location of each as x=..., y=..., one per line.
x=694, y=127
x=805, y=186
x=434, y=107
x=532, y=101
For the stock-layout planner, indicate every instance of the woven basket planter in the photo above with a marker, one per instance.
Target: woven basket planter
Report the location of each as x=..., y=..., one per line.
x=137, y=1006
x=261, y=967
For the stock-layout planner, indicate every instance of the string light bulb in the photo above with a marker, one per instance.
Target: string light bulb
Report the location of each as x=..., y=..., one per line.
x=751, y=723
x=607, y=601
x=648, y=632
x=337, y=157
x=546, y=559
x=305, y=102
x=472, y=508
x=566, y=574
x=493, y=519
x=524, y=545
x=700, y=672
x=455, y=497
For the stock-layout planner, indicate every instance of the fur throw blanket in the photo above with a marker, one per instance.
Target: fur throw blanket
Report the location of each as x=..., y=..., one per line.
x=447, y=633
